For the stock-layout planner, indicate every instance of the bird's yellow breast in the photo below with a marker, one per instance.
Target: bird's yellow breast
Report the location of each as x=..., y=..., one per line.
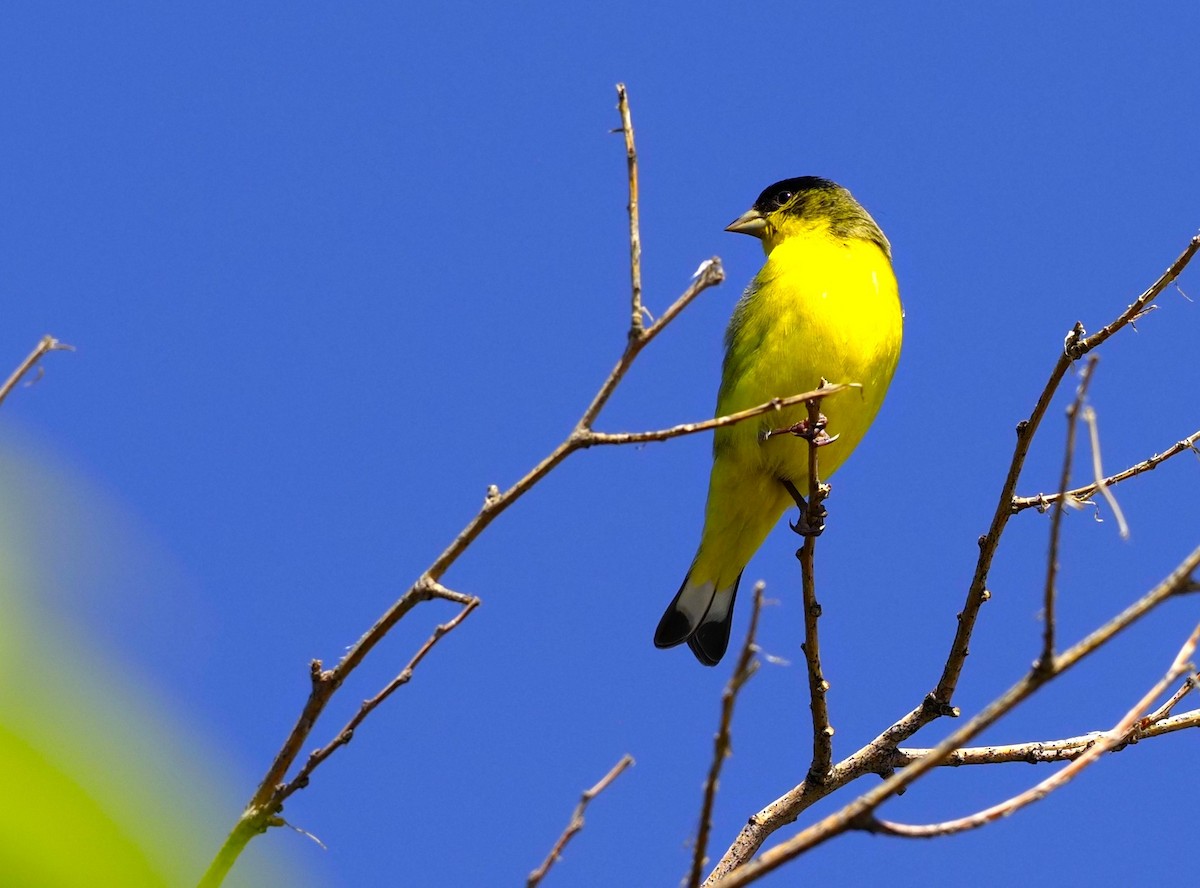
x=821, y=306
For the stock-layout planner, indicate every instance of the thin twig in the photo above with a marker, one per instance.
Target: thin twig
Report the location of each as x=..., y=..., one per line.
x=576, y=822
x=817, y=685
x=1138, y=306
x=635, y=238
x=1089, y=417
x=346, y=734
x=1076, y=346
x=709, y=274
x=1048, y=624
x=857, y=814
x=589, y=438
x=1119, y=734
x=1168, y=707
x=747, y=665
x=46, y=345
x=1084, y=493
x=265, y=804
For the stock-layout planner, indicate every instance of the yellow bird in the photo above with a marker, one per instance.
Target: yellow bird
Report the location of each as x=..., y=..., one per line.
x=825, y=305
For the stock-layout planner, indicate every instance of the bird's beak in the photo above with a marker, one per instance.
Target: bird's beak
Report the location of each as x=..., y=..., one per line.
x=751, y=222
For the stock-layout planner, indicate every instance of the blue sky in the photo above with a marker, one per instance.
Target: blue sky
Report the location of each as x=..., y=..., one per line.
x=330, y=272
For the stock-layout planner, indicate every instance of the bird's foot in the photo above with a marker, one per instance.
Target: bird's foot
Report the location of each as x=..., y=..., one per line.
x=813, y=432
x=809, y=527
x=811, y=521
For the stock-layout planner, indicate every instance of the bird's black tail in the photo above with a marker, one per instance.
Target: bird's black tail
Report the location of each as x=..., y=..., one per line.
x=701, y=615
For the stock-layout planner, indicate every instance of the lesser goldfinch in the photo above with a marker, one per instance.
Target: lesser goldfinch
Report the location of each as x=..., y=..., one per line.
x=824, y=305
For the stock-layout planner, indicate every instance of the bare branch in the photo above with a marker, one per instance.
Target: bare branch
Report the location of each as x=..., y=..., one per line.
x=1119, y=734
x=1138, y=307
x=1042, y=752
x=813, y=519
x=1168, y=707
x=1083, y=494
x=708, y=275
x=874, y=756
x=858, y=814
x=635, y=238
x=46, y=345
x=1085, y=377
x=1089, y=417
x=576, y=822
x=1077, y=345
x=745, y=668
x=590, y=438
x=346, y=734
x=266, y=803
x=262, y=810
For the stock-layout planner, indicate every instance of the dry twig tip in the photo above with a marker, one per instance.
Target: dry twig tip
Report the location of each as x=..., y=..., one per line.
x=576, y=822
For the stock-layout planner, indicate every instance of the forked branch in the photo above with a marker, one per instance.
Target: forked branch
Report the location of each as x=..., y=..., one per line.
x=1120, y=734
x=266, y=804
x=859, y=813
x=881, y=755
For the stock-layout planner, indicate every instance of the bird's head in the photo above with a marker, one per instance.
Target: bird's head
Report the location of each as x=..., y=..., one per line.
x=807, y=204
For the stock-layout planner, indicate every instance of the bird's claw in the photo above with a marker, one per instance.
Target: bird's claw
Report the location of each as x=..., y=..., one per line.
x=813, y=432
x=809, y=525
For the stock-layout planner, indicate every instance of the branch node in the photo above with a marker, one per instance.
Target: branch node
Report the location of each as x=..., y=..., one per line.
x=1073, y=345
x=939, y=708
x=1045, y=666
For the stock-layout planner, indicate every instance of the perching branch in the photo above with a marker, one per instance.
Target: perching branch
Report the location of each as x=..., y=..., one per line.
x=747, y=665
x=46, y=345
x=576, y=822
x=813, y=519
x=266, y=804
x=590, y=438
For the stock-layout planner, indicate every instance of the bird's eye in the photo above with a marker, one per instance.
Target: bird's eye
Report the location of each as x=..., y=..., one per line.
x=782, y=197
